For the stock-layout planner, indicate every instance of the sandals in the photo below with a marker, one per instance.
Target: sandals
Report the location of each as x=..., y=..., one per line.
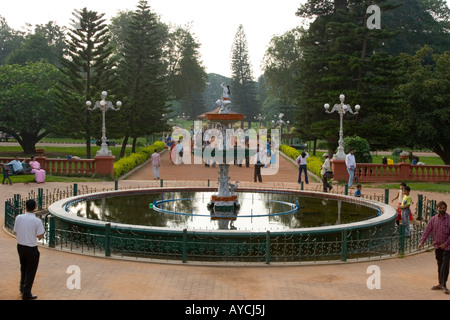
x=437, y=288
x=447, y=291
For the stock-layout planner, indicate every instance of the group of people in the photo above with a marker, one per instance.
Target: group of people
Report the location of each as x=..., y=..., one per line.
x=35, y=168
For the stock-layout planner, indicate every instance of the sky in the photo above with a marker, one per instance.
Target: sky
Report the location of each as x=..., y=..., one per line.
x=214, y=23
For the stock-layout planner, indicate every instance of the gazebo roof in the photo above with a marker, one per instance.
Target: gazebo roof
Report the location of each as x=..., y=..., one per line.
x=215, y=111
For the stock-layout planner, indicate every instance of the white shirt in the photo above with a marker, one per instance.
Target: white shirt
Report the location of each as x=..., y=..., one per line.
x=300, y=160
x=261, y=156
x=27, y=227
x=350, y=161
x=326, y=166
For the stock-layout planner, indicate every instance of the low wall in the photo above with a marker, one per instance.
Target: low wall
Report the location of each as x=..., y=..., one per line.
x=369, y=172
x=86, y=167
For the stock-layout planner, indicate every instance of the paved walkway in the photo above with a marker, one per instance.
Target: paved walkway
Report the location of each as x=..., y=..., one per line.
x=410, y=277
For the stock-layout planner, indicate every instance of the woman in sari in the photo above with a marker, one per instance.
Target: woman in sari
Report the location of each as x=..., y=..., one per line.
x=39, y=174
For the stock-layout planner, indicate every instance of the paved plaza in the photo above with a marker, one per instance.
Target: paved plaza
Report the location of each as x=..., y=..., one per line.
x=410, y=277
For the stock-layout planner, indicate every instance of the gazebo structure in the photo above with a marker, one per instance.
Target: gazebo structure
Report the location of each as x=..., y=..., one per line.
x=210, y=116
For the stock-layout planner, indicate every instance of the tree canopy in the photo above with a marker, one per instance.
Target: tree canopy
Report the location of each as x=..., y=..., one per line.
x=28, y=101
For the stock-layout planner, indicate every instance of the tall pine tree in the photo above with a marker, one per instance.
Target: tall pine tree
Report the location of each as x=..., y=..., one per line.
x=89, y=71
x=141, y=72
x=243, y=87
x=187, y=76
x=342, y=55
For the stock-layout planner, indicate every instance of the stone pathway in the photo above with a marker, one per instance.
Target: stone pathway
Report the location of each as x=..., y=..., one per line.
x=405, y=278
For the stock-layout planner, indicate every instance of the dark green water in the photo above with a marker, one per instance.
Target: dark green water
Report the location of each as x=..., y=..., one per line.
x=134, y=209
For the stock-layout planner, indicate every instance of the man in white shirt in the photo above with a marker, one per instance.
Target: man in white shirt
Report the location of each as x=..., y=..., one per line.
x=260, y=161
x=28, y=229
x=350, y=162
x=179, y=149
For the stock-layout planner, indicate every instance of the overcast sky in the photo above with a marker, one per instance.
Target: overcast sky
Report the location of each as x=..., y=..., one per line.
x=214, y=23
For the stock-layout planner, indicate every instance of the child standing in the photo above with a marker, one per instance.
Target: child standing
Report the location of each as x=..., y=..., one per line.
x=405, y=207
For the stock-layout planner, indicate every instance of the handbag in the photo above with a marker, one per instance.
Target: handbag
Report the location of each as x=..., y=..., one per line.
x=328, y=175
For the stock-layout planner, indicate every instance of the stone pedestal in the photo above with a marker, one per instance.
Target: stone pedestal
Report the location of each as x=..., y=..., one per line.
x=104, y=166
x=339, y=170
x=404, y=171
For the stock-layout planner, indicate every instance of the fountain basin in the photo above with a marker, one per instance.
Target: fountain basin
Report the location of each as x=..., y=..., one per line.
x=214, y=244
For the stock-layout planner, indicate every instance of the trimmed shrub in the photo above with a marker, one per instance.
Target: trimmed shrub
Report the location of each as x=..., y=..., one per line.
x=127, y=164
x=361, y=147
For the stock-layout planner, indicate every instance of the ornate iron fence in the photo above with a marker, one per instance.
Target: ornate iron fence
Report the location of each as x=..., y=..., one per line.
x=264, y=247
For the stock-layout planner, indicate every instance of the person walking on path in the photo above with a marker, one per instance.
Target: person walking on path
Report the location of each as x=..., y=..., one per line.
x=259, y=163
x=439, y=228
x=406, y=209
x=350, y=162
x=302, y=166
x=28, y=228
x=326, y=171
x=156, y=163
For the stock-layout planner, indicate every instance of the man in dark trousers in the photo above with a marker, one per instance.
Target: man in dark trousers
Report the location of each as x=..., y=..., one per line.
x=439, y=228
x=259, y=163
x=28, y=229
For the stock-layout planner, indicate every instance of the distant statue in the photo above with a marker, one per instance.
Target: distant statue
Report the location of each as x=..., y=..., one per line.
x=226, y=94
x=220, y=104
x=226, y=101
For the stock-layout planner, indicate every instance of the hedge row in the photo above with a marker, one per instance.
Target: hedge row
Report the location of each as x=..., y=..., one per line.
x=126, y=164
x=314, y=163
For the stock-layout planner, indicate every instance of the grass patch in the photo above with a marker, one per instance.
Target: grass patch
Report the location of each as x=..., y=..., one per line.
x=54, y=178
x=431, y=161
x=440, y=187
x=63, y=152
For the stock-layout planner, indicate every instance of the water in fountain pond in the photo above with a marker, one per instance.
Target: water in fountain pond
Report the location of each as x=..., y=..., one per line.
x=258, y=212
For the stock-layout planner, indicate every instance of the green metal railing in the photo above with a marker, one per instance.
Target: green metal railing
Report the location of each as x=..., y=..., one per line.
x=262, y=247
x=186, y=245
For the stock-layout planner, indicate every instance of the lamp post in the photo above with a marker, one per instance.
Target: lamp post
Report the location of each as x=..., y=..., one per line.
x=259, y=118
x=103, y=105
x=280, y=122
x=342, y=109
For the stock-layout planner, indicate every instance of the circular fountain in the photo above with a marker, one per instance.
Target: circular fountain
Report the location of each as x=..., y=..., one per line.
x=226, y=223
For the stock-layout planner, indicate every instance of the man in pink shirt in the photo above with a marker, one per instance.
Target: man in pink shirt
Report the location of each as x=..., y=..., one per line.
x=439, y=226
x=156, y=163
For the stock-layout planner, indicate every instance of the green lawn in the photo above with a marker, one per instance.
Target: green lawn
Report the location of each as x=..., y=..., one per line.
x=62, y=152
x=53, y=178
x=441, y=187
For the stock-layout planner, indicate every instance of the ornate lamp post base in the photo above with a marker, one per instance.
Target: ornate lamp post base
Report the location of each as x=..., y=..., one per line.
x=342, y=109
x=104, y=105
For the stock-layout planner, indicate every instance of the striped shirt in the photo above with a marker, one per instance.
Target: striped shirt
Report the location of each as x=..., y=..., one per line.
x=440, y=227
